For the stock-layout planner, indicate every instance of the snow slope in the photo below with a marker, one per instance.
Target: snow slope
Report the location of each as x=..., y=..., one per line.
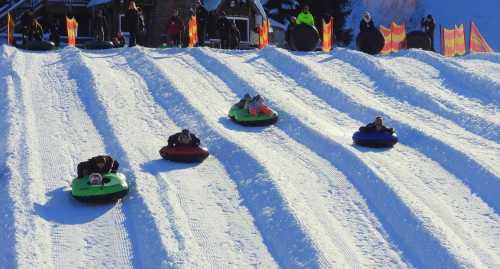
x=294, y=195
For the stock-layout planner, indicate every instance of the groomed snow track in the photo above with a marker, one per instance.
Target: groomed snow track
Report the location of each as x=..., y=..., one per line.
x=294, y=195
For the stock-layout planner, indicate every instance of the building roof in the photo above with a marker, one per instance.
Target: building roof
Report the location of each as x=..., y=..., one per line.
x=214, y=4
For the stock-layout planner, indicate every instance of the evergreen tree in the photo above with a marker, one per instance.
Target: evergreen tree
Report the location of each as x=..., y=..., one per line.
x=282, y=10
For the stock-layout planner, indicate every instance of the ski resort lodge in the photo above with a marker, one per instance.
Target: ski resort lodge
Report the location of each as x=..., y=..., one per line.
x=247, y=14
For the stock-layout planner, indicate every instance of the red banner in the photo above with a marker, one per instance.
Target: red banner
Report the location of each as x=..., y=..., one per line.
x=264, y=34
x=477, y=41
x=386, y=32
x=72, y=28
x=398, y=38
x=328, y=35
x=10, y=30
x=192, y=32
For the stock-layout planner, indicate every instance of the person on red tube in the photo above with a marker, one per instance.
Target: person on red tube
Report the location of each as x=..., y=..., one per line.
x=257, y=106
x=183, y=139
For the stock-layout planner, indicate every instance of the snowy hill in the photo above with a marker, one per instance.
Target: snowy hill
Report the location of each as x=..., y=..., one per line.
x=446, y=13
x=294, y=195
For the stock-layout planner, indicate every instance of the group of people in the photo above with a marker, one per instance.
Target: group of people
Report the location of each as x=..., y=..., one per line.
x=427, y=23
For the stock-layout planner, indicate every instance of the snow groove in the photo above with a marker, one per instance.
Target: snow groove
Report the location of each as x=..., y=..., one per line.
x=477, y=175
x=281, y=233
x=8, y=257
x=149, y=252
x=464, y=82
x=471, y=116
x=32, y=234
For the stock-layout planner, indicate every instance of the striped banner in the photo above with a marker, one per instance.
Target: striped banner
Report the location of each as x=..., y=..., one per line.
x=460, y=40
x=398, y=37
x=386, y=32
x=448, y=42
x=477, y=41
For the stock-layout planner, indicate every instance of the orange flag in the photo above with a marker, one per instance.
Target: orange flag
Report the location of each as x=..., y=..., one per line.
x=72, y=28
x=328, y=35
x=264, y=34
x=10, y=30
x=398, y=38
x=477, y=41
x=459, y=40
x=192, y=32
x=386, y=32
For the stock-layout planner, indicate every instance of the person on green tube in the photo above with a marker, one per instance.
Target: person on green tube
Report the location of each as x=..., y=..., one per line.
x=305, y=17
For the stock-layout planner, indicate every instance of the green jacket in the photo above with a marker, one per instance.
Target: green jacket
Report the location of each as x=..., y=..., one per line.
x=305, y=18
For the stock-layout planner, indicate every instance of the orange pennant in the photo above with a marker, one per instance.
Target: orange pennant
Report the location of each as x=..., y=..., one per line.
x=10, y=30
x=477, y=41
x=386, y=32
x=192, y=32
x=72, y=28
x=328, y=35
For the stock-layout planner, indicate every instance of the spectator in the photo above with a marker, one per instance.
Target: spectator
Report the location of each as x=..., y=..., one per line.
x=305, y=17
x=202, y=20
x=26, y=21
x=366, y=23
x=132, y=18
x=100, y=26
x=55, y=34
x=289, y=30
x=234, y=36
x=175, y=28
x=35, y=31
x=429, y=25
x=223, y=27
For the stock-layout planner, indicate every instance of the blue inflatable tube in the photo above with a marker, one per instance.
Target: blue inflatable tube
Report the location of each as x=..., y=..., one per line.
x=375, y=139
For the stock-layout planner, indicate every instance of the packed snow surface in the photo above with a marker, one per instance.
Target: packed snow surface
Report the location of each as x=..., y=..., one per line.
x=297, y=194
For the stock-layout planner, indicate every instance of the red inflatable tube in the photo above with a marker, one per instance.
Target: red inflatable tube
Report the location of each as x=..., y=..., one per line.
x=184, y=154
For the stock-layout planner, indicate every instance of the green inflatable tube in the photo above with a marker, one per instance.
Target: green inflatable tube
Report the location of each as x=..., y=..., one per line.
x=114, y=186
x=242, y=117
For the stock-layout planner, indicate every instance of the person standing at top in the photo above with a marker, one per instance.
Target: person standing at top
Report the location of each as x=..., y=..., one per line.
x=132, y=23
x=100, y=26
x=429, y=25
x=202, y=20
x=175, y=27
x=223, y=27
x=55, y=33
x=305, y=17
x=35, y=31
x=26, y=21
x=366, y=23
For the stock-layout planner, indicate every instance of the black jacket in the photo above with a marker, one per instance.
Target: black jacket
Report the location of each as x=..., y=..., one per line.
x=173, y=141
x=370, y=128
x=133, y=18
x=100, y=23
x=428, y=24
x=90, y=166
x=201, y=14
x=366, y=26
